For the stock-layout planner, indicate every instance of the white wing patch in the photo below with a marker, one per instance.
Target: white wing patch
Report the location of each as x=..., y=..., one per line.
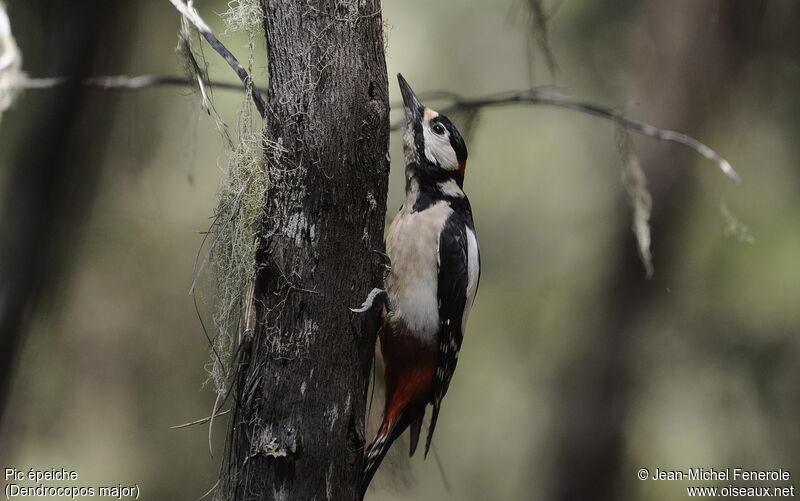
x=474, y=273
x=451, y=189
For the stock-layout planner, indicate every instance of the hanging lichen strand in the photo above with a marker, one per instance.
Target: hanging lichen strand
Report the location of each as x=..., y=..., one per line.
x=230, y=248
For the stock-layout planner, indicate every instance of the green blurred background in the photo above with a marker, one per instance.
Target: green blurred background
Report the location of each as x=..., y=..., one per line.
x=576, y=370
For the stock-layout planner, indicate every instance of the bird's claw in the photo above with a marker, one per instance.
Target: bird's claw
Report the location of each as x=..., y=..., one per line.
x=387, y=261
x=370, y=301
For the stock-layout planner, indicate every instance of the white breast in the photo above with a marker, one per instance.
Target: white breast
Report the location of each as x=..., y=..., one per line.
x=413, y=247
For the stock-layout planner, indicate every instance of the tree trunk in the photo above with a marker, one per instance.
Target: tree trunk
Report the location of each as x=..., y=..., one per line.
x=297, y=430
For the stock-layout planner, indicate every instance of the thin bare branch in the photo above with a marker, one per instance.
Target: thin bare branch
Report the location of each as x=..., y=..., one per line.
x=209, y=492
x=122, y=82
x=216, y=407
x=190, y=14
x=458, y=104
x=199, y=421
x=536, y=97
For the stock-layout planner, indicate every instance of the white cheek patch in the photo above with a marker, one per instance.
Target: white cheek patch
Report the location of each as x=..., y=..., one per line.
x=438, y=149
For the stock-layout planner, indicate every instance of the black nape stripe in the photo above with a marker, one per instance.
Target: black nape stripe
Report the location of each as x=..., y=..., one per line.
x=428, y=180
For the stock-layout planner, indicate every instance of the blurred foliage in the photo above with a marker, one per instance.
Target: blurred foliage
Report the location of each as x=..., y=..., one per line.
x=121, y=358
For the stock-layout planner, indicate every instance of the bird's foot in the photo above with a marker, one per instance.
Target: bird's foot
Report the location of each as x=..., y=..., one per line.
x=387, y=262
x=374, y=294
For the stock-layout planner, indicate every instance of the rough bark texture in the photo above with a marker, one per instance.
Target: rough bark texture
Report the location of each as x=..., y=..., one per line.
x=303, y=376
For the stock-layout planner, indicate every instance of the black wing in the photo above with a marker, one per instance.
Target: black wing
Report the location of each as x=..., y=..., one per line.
x=452, y=292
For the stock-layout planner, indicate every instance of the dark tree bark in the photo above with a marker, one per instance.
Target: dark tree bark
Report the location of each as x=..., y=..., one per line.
x=693, y=78
x=300, y=389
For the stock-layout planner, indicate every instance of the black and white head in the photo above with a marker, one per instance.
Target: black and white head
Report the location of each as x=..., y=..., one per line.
x=432, y=144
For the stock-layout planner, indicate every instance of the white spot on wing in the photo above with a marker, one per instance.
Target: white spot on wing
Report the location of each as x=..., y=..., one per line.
x=474, y=269
x=450, y=188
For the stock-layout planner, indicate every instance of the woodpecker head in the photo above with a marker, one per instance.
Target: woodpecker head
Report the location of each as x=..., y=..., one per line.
x=433, y=145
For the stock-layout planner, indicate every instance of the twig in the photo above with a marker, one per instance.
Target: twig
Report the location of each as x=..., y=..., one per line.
x=536, y=97
x=122, y=82
x=199, y=421
x=208, y=493
x=190, y=13
x=532, y=97
x=216, y=407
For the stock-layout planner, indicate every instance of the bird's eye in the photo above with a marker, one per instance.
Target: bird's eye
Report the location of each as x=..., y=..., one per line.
x=438, y=128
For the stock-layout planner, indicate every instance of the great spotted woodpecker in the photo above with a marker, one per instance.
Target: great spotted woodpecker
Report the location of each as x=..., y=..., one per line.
x=433, y=278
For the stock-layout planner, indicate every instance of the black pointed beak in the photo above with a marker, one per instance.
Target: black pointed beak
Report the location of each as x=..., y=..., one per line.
x=414, y=107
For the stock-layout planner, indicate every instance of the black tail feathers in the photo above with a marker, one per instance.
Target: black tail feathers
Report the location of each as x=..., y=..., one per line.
x=431, y=427
x=387, y=434
x=416, y=427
